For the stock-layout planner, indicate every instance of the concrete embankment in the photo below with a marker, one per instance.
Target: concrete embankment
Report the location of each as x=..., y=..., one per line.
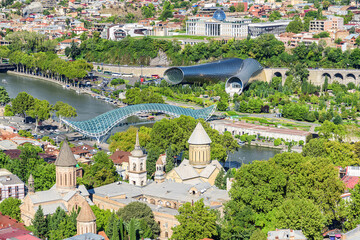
x=79, y=90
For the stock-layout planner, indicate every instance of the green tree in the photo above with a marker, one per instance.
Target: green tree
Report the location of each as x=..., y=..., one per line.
x=10, y=207
x=40, y=110
x=196, y=222
x=73, y=51
x=258, y=235
x=125, y=141
x=4, y=96
x=295, y=26
x=301, y=214
x=22, y=103
x=39, y=224
x=140, y=211
x=325, y=5
x=275, y=15
x=100, y=173
x=220, y=180
x=169, y=159
x=64, y=110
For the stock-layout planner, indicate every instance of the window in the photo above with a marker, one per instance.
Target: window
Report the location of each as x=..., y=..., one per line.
x=141, y=166
x=10, y=192
x=16, y=192
x=134, y=166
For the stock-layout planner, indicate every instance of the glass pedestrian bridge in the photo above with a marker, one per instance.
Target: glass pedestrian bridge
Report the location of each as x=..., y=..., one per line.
x=102, y=124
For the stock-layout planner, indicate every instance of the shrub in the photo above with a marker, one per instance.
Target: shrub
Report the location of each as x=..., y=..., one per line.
x=277, y=142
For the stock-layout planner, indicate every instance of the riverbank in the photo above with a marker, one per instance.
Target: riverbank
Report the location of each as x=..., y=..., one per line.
x=64, y=85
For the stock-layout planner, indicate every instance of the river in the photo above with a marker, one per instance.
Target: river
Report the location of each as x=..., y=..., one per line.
x=88, y=107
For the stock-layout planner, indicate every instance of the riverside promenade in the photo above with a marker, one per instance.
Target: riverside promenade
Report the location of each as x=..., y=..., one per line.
x=77, y=89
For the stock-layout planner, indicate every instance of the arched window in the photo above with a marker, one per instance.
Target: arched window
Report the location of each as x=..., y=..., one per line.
x=142, y=183
x=141, y=166
x=166, y=234
x=134, y=166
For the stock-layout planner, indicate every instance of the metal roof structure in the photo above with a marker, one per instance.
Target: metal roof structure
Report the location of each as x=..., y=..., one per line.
x=102, y=124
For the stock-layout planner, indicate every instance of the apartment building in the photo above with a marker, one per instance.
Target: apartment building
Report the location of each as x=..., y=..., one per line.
x=320, y=25
x=10, y=185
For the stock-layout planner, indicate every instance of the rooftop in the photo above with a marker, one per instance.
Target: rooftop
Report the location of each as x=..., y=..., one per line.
x=199, y=136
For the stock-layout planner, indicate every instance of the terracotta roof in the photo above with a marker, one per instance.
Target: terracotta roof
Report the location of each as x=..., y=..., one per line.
x=350, y=181
x=82, y=149
x=66, y=157
x=120, y=157
x=160, y=161
x=86, y=214
x=6, y=221
x=13, y=153
x=103, y=234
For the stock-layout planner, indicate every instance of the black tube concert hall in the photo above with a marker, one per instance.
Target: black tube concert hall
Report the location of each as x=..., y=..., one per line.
x=235, y=71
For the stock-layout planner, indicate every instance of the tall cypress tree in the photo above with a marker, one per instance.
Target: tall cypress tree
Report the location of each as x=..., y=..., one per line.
x=40, y=224
x=169, y=159
x=110, y=227
x=115, y=231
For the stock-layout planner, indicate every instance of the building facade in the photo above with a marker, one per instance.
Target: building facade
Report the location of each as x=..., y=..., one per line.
x=165, y=196
x=10, y=185
x=276, y=28
x=64, y=194
x=320, y=25
x=218, y=26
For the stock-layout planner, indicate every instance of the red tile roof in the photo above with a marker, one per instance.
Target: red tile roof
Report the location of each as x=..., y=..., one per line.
x=350, y=181
x=103, y=234
x=82, y=149
x=13, y=153
x=6, y=221
x=11, y=232
x=120, y=157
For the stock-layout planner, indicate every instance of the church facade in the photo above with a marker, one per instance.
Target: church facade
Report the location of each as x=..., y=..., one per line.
x=199, y=168
x=191, y=181
x=64, y=194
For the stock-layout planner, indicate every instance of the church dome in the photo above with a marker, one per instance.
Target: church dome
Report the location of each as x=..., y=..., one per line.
x=137, y=152
x=219, y=15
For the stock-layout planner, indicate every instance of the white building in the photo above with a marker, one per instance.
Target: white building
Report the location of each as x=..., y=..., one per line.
x=137, y=165
x=218, y=26
x=10, y=185
x=118, y=32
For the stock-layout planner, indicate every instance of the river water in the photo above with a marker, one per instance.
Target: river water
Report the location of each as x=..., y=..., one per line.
x=88, y=107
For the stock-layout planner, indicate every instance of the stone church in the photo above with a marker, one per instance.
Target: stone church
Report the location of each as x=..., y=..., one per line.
x=199, y=168
x=191, y=181
x=64, y=194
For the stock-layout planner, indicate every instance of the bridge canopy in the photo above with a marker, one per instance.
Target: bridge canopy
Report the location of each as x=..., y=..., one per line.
x=102, y=124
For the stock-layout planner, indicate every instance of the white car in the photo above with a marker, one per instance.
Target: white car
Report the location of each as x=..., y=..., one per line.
x=116, y=74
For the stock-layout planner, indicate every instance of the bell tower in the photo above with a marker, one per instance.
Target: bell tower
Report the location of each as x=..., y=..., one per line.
x=86, y=220
x=160, y=169
x=199, y=147
x=65, y=169
x=31, y=185
x=137, y=165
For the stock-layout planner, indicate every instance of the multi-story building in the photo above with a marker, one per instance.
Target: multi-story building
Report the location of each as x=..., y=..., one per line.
x=276, y=28
x=337, y=23
x=10, y=185
x=320, y=25
x=218, y=26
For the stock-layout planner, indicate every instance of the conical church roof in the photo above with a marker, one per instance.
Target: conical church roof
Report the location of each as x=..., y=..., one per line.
x=137, y=152
x=199, y=136
x=31, y=178
x=86, y=214
x=66, y=157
